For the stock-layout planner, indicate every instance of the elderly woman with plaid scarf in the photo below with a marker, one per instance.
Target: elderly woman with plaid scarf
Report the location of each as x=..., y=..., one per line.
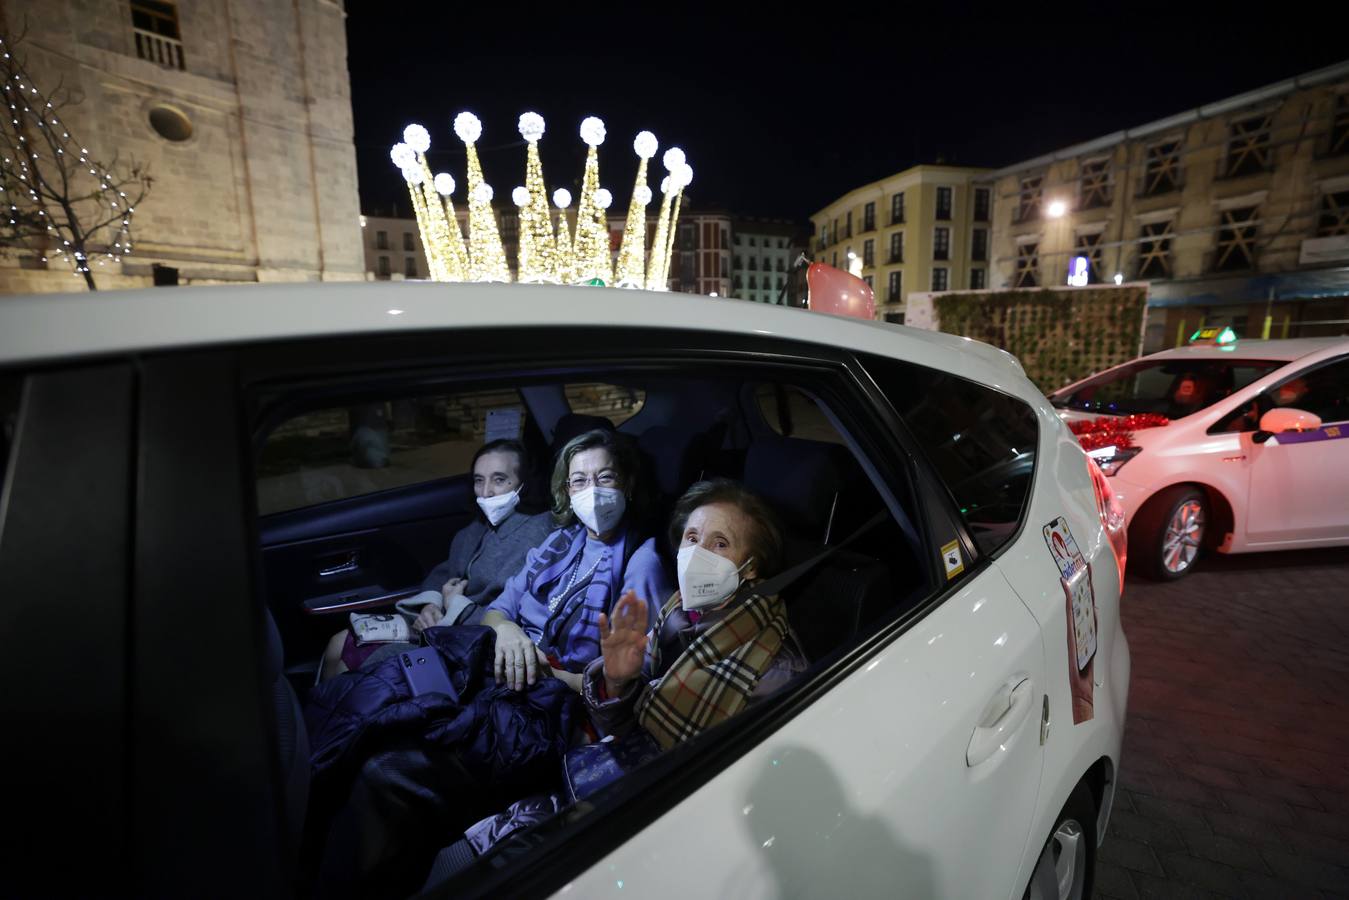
x=716, y=645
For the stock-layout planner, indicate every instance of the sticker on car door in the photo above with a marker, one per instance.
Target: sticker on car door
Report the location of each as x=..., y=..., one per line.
x=1080, y=609
x=952, y=559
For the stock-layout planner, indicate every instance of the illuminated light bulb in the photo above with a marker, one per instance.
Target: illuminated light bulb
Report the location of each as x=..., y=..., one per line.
x=673, y=159
x=1056, y=209
x=402, y=155
x=531, y=126
x=417, y=137
x=592, y=131
x=562, y=198
x=483, y=193
x=604, y=199
x=444, y=184
x=645, y=144
x=468, y=127
x=520, y=196
x=643, y=195
x=413, y=176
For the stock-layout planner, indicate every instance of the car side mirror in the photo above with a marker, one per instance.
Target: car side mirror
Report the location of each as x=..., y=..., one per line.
x=1286, y=418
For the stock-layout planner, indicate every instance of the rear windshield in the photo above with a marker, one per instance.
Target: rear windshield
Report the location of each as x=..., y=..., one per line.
x=1171, y=387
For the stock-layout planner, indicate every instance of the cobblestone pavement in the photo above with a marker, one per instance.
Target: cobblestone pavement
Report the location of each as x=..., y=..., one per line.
x=1235, y=774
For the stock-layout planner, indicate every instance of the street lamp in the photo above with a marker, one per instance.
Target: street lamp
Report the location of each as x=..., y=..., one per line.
x=1119, y=279
x=1056, y=209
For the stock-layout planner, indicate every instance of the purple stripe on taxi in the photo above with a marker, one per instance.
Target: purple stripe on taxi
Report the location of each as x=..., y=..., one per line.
x=1324, y=433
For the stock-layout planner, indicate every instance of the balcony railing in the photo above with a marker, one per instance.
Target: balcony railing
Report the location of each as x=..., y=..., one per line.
x=163, y=51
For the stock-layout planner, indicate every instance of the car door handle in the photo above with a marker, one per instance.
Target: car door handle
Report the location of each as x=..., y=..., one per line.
x=339, y=564
x=1002, y=716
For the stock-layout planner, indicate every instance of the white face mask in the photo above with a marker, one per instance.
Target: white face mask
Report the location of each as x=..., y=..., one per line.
x=705, y=579
x=499, y=507
x=600, y=508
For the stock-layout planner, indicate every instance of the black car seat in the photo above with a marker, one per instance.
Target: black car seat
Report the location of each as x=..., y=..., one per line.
x=807, y=483
x=292, y=740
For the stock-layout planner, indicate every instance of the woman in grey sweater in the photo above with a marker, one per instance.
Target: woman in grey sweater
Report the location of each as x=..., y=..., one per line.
x=483, y=555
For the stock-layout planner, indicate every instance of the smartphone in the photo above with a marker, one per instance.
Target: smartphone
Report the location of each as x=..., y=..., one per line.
x=426, y=673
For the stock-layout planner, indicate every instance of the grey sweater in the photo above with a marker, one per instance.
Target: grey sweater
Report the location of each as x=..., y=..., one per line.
x=486, y=556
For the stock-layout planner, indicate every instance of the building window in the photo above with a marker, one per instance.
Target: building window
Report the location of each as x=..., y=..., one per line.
x=979, y=245
x=780, y=283
x=1334, y=217
x=738, y=285
x=1027, y=265
x=847, y=228
x=782, y=245
x=410, y=267
x=781, y=267
x=1162, y=171
x=897, y=209
x=736, y=240
x=155, y=26
x=1028, y=205
x=753, y=283
x=834, y=261
x=1236, y=240
x=725, y=266
x=868, y=253
x=824, y=235
x=1095, y=185
x=407, y=242
x=981, y=204
x=944, y=204
x=1248, y=147
x=1089, y=245
x=1339, y=126
x=892, y=289
x=896, y=247
x=941, y=278
x=384, y=266
x=739, y=262
x=941, y=243
x=869, y=217
x=381, y=240
x=754, y=263
x=977, y=276
x=1154, y=251
x=869, y=280
x=725, y=239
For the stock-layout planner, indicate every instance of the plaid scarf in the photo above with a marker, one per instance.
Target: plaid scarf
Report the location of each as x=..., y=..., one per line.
x=713, y=678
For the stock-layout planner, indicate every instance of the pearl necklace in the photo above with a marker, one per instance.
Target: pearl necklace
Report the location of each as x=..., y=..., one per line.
x=556, y=599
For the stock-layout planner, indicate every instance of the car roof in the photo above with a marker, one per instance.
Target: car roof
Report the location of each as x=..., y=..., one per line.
x=1286, y=350
x=37, y=328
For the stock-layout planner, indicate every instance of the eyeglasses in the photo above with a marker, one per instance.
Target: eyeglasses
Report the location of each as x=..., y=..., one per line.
x=606, y=479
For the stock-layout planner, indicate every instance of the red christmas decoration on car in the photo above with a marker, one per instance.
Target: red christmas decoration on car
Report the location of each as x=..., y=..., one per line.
x=1113, y=431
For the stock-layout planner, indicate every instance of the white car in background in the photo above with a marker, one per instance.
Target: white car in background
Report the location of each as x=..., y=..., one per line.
x=1254, y=454
x=191, y=506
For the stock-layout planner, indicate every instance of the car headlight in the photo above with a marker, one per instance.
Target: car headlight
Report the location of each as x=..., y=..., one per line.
x=1111, y=459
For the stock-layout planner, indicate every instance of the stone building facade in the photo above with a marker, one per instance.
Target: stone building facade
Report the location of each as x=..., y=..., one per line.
x=240, y=110
x=1236, y=213
x=923, y=229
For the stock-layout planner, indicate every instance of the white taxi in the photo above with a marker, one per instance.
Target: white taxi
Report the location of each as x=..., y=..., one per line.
x=1225, y=444
x=201, y=484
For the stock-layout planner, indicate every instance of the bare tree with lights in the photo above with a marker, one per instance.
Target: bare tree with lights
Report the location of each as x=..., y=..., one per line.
x=56, y=201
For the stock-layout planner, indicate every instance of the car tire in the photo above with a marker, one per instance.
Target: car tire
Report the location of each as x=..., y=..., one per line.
x=1167, y=536
x=1066, y=867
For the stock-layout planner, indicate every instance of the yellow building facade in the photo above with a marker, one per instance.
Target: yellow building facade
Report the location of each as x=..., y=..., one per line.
x=926, y=228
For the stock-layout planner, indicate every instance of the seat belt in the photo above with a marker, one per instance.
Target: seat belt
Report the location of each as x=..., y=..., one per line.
x=783, y=580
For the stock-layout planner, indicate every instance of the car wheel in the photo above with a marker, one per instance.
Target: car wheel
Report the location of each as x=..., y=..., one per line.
x=1067, y=863
x=1169, y=533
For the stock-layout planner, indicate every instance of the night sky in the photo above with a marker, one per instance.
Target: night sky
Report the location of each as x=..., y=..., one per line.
x=780, y=113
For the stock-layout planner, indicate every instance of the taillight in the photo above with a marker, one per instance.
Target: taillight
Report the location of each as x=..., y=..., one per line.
x=1112, y=517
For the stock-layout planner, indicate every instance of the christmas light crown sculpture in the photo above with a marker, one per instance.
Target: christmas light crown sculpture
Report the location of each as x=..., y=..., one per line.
x=548, y=253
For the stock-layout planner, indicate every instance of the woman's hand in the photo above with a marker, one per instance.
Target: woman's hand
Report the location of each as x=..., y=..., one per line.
x=453, y=588
x=623, y=641
x=427, y=618
x=517, y=659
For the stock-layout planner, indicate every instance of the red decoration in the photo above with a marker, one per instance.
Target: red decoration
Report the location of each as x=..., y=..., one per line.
x=1109, y=431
